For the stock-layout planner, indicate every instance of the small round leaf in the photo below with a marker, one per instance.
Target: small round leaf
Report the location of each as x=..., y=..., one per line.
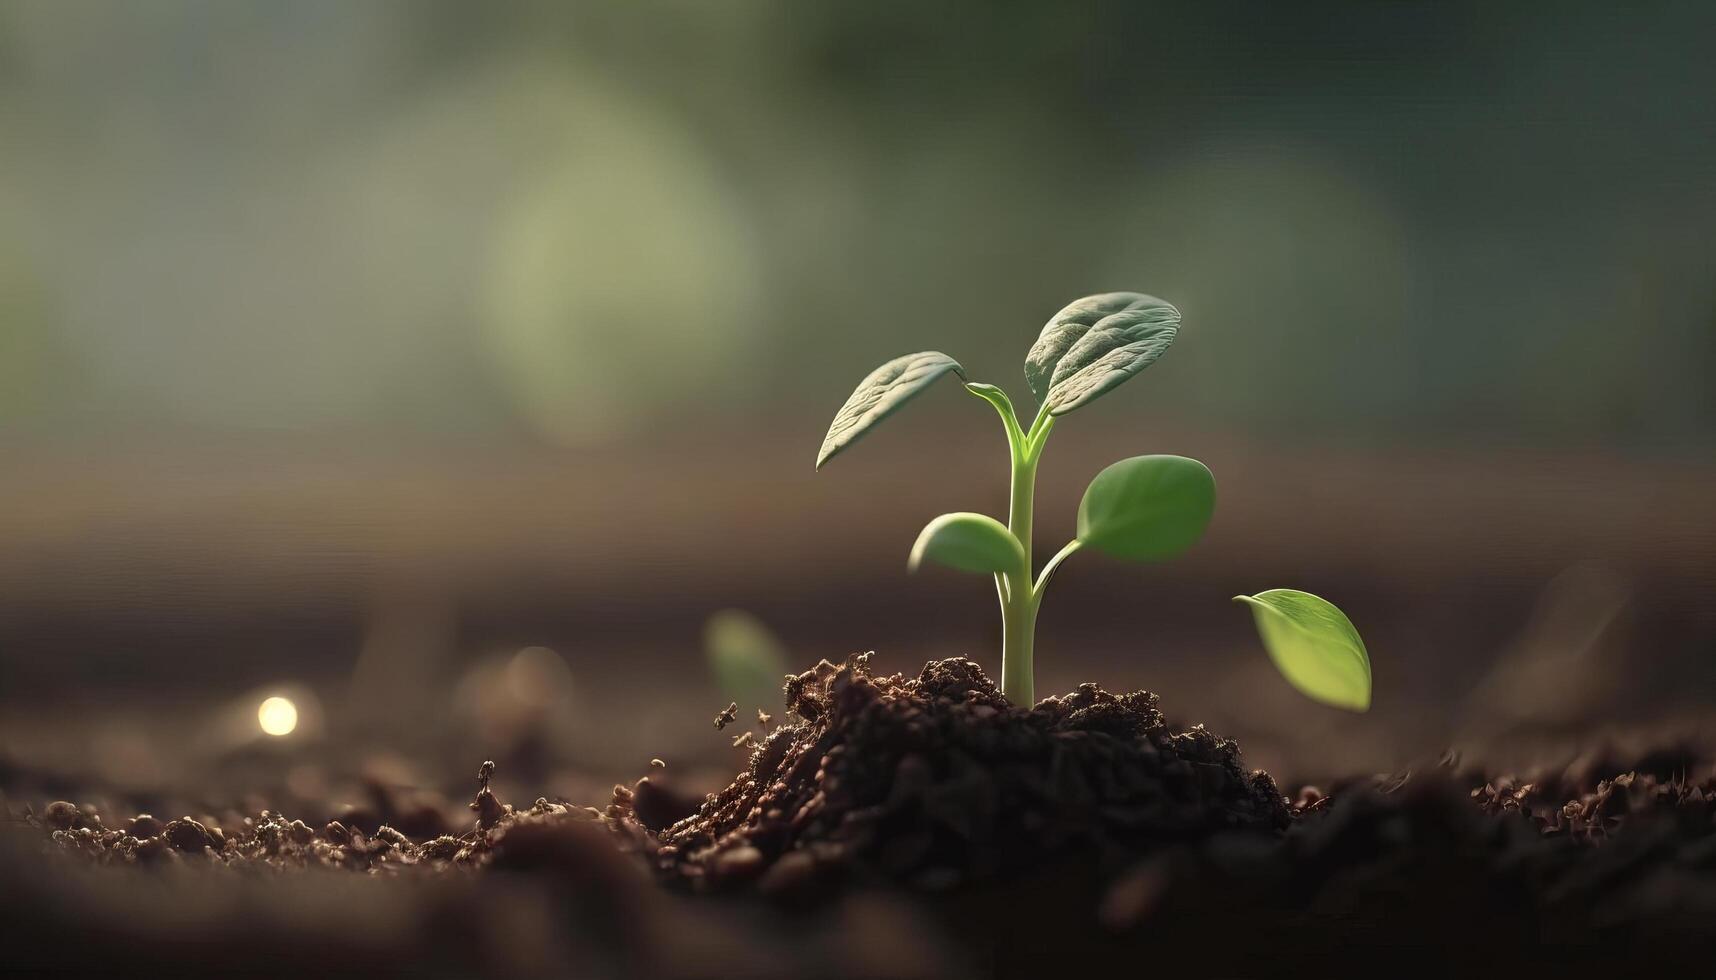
x=1147, y=508
x=969, y=542
x=1314, y=645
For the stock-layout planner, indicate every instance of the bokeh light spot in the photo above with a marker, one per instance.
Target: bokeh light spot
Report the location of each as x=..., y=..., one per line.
x=277, y=716
x=537, y=677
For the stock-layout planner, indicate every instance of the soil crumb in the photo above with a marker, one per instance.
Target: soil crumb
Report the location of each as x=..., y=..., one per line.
x=269, y=839
x=726, y=716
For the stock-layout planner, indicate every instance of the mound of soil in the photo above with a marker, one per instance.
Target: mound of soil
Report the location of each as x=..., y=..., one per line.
x=937, y=781
x=1084, y=831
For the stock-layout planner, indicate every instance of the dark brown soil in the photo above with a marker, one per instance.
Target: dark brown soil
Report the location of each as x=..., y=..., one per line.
x=936, y=782
x=1084, y=830
x=917, y=827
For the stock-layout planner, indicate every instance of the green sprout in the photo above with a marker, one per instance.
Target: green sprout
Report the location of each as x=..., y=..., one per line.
x=746, y=658
x=1144, y=509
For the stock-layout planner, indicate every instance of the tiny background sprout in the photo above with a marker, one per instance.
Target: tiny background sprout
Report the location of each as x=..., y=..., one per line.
x=748, y=661
x=1143, y=509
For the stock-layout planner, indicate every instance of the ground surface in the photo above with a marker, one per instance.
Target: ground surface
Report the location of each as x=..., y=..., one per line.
x=908, y=826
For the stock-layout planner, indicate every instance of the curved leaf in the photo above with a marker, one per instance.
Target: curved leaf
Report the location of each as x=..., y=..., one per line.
x=1147, y=508
x=994, y=396
x=1314, y=645
x=881, y=395
x=1095, y=344
x=969, y=542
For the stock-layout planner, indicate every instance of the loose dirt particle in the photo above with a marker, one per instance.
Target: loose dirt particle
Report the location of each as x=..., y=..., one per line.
x=143, y=827
x=62, y=815
x=185, y=834
x=726, y=716
x=489, y=810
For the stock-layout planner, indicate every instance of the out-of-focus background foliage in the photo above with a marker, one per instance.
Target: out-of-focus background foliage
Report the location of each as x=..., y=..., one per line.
x=450, y=364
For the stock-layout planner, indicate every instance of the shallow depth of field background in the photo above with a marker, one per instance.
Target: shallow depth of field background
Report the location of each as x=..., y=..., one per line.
x=443, y=367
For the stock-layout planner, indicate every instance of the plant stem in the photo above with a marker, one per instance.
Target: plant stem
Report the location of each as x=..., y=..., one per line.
x=1019, y=615
x=1019, y=599
x=1049, y=570
x=1019, y=606
x=1018, y=629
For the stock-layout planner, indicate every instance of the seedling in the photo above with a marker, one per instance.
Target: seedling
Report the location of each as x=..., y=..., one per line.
x=1145, y=508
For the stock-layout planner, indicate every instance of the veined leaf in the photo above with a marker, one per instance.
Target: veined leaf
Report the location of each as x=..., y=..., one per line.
x=1147, y=508
x=969, y=542
x=881, y=395
x=1095, y=344
x=1314, y=645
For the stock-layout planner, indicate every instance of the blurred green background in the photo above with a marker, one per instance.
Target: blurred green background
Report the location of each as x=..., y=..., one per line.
x=445, y=330
x=576, y=221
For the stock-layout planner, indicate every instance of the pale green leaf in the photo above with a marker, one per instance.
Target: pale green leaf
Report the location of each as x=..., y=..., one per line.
x=1147, y=508
x=881, y=394
x=748, y=661
x=969, y=542
x=1096, y=343
x=1314, y=645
